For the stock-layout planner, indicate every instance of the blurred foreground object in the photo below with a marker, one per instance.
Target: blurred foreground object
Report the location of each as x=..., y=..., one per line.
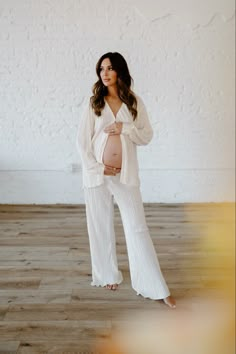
x=209, y=327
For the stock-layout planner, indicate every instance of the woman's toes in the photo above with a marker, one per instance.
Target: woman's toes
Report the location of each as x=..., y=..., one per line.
x=170, y=301
x=112, y=286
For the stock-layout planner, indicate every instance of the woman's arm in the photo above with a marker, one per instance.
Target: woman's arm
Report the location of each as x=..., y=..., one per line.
x=84, y=141
x=140, y=130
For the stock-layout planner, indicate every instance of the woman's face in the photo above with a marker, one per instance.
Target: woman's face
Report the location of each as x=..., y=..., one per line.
x=107, y=74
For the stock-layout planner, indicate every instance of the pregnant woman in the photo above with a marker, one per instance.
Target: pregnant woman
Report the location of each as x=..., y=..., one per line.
x=113, y=123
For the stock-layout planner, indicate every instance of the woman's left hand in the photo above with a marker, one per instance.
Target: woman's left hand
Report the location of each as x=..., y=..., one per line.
x=114, y=128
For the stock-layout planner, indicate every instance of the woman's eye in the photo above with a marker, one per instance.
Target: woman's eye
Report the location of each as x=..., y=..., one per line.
x=110, y=68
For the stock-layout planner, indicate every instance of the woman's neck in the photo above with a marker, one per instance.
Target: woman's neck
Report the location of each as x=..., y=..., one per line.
x=112, y=92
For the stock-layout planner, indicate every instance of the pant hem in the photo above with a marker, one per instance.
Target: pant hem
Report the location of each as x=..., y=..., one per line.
x=161, y=297
x=104, y=284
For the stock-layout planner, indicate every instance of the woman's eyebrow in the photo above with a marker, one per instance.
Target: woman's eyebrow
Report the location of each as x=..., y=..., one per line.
x=108, y=66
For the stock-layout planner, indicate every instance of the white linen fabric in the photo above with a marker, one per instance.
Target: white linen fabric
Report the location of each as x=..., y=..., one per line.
x=146, y=276
x=100, y=191
x=91, y=141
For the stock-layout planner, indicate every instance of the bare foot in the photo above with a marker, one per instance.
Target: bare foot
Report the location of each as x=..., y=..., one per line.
x=112, y=286
x=170, y=301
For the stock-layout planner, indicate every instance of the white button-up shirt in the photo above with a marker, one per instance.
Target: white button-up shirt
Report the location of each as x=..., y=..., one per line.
x=91, y=141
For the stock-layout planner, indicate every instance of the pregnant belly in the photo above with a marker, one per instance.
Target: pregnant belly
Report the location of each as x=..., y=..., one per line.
x=112, y=155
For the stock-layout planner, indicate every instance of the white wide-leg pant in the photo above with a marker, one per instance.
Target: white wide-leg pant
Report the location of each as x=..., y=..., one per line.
x=146, y=276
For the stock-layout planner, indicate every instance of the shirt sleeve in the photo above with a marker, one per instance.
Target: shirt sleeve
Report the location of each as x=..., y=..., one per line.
x=140, y=130
x=84, y=141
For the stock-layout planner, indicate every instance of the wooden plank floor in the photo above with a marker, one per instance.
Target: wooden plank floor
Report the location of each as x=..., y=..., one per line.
x=47, y=304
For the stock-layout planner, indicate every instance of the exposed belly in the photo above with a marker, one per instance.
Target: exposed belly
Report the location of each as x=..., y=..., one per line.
x=112, y=155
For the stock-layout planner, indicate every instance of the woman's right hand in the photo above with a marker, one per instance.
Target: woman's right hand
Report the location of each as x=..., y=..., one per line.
x=111, y=171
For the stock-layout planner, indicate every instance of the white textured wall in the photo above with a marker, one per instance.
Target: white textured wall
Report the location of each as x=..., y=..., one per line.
x=181, y=56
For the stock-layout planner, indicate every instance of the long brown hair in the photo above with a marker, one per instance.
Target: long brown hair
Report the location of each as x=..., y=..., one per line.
x=124, y=81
